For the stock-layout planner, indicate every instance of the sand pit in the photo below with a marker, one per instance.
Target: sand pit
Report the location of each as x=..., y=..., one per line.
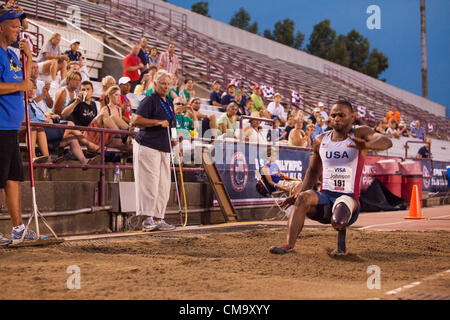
x=231, y=264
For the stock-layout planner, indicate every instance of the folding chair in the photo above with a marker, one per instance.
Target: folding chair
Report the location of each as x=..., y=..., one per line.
x=265, y=191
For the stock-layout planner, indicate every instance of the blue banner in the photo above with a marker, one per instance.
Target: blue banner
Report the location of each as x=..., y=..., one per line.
x=238, y=164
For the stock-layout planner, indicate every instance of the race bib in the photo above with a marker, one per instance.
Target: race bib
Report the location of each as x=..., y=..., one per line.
x=340, y=179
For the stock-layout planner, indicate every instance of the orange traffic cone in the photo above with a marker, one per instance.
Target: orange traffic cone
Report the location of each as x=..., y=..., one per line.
x=415, y=210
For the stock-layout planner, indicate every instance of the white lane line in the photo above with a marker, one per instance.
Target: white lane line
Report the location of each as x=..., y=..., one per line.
x=413, y=284
x=392, y=223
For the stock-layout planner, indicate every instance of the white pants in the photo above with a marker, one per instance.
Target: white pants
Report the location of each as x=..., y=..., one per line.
x=152, y=178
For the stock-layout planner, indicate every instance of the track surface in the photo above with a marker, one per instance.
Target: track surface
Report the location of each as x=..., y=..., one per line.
x=232, y=262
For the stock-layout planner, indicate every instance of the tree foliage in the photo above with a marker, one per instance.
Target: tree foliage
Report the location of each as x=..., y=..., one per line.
x=283, y=32
x=201, y=7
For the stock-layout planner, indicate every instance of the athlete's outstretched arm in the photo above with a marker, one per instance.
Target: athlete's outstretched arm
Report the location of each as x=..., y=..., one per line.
x=368, y=139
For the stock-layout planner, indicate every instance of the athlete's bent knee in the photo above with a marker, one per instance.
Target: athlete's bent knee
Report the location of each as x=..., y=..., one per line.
x=304, y=200
x=342, y=211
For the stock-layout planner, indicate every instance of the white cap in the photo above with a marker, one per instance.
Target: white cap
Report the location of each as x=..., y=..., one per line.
x=75, y=41
x=124, y=80
x=320, y=104
x=316, y=110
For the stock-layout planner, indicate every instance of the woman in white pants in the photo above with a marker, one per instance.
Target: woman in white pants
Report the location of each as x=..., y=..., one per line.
x=151, y=154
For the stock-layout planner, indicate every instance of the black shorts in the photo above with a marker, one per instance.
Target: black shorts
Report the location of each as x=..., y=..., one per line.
x=10, y=160
x=54, y=137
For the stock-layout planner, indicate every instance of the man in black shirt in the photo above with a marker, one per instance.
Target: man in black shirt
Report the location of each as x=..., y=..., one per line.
x=81, y=110
x=216, y=95
x=425, y=151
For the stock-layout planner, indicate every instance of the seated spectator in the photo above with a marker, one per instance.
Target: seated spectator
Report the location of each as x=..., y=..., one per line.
x=188, y=89
x=153, y=57
x=418, y=131
x=323, y=113
x=227, y=121
x=76, y=56
x=380, y=127
x=107, y=82
x=208, y=122
x=425, y=151
x=146, y=81
x=297, y=137
x=275, y=180
x=73, y=66
x=358, y=120
x=393, y=114
x=402, y=130
x=309, y=132
x=318, y=130
x=240, y=90
x=110, y=117
x=243, y=109
x=391, y=131
x=315, y=115
x=59, y=137
x=64, y=95
x=125, y=104
x=287, y=130
x=215, y=97
x=258, y=103
x=175, y=89
x=82, y=110
x=276, y=109
x=253, y=133
x=185, y=125
x=43, y=98
x=50, y=59
x=37, y=133
x=169, y=60
x=276, y=131
x=133, y=67
x=228, y=96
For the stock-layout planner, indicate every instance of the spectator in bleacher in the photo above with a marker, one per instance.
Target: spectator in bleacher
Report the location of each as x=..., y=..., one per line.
x=287, y=130
x=208, y=122
x=402, y=130
x=315, y=115
x=76, y=56
x=276, y=109
x=151, y=155
x=110, y=117
x=318, y=130
x=146, y=82
x=73, y=66
x=50, y=56
x=228, y=96
x=133, y=66
x=37, y=133
x=357, y=119
x=153, y=57
x=253, y=133
x=393, y=114
x=243, y=109
x=418, y=131
x=391, y=131
x=43, y=98
x=425, y=151
x=169, y=60
x=276, y=131
x=175, y=89
x=309, y=133
x=185, y=124
x=297, y=137
x=125, y=104
x=227, y=121
x=143, y=54
x=12, y=112
x=64, y=95
x=107, y=82
x=81, y=110
x=188, y=89
x=258, y=103
x=323, y=113
x=215, y=98
x=380, y=127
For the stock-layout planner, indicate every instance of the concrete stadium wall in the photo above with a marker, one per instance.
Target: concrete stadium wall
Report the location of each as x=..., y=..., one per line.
x=234, y=36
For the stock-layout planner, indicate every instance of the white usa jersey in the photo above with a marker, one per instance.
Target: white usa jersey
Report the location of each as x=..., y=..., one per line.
x=342, y=165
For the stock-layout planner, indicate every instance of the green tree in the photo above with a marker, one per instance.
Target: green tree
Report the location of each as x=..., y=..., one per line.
x=376, y=64
x=321, y=40
x=201, y=7
x=358, y=48
x=241, y=19
x=283, y=32
x=253, y=28
x=339, y=53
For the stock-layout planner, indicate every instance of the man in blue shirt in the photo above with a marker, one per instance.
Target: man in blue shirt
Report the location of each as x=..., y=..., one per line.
x=418, y=131
x=12, y=111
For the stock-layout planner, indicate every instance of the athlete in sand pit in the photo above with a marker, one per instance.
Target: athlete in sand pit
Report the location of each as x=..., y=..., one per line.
x=338, y=155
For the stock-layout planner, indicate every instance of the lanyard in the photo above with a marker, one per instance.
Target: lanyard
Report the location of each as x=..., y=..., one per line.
x=165, y=108
x=136, y=61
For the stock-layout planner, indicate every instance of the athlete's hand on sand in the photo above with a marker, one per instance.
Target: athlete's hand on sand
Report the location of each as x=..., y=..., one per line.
x=289, y=201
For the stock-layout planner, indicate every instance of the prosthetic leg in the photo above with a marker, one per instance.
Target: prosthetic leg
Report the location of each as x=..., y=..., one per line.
x=342, y=211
